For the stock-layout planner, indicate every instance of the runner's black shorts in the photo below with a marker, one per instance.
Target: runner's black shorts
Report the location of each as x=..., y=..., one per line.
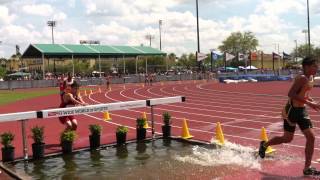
x=296, y=115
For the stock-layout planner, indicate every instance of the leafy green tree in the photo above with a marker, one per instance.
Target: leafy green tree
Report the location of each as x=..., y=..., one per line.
x=303, y=51
x=239, y=42
x=187, y=61
x=3, y=72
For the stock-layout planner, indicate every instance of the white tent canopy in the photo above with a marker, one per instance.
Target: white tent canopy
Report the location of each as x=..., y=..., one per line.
x=251, y=67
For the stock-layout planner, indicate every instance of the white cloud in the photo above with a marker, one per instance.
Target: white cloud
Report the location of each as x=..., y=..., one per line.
x=265, y=24
x=67, y=36
x=5, y=17
x=71, y=3
x=60, y=16
x=17, y=35
x=112, y=33
x=279, y=7
x=315, y=6
x=38, y=9
x=30, y=26
x=105, y=8
x=237, y=23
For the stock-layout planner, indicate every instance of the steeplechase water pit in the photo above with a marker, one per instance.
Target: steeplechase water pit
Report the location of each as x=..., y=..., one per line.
x=157, y=159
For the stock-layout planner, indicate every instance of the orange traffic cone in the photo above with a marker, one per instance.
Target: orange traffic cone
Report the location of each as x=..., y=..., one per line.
x=91, y=91
x=146, y=125
x=99, y=90
x=85, y=93
x=106, y=116
x=185, y=131
x=264, y=137
x=219, y=134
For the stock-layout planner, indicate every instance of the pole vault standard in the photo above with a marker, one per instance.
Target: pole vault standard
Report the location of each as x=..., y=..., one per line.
x=59, y=112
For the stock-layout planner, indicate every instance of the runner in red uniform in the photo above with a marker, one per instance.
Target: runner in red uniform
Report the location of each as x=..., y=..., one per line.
x=68, y=82
x=61, y=86
x=71, y=99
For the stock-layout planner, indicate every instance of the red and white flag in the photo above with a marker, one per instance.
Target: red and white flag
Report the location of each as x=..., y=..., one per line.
x=201, y=56
x=229, y=56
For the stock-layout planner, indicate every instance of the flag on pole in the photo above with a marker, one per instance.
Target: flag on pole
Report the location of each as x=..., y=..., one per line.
x=253, y=56
x=286, y=56
x=240, y=56
x=215, y=54
x=275, y=56
x=229, y=56
x=201, y=56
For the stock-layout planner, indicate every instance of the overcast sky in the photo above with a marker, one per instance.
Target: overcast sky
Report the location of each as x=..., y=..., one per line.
x=126, y=22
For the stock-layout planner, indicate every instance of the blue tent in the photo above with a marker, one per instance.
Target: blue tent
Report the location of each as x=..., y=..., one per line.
x=19, y=74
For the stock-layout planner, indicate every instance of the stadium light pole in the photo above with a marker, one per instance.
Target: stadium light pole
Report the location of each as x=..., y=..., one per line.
x=296, y=51
x=52, y=24
x=160, y=25
x=149, y=37
x=309, y=43
x=198, y=36
x=306, y=38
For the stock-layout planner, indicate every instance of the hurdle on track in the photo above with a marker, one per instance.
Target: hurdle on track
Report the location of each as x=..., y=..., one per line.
x=53, y=113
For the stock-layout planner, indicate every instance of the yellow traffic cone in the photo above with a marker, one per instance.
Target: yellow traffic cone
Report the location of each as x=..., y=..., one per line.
x=146, y=125
x=185, y=131
x=85, y=93
x=264, y=137
x=219, y=134
x=144, y=115
x=106, y=116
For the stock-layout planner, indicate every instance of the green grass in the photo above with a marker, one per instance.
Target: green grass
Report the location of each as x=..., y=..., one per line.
x=7, y=97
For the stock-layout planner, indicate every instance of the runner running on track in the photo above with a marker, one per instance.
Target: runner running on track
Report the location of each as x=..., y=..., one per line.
x=68, y=82
x=295, y=113
x=71, y=99
x=62, y=87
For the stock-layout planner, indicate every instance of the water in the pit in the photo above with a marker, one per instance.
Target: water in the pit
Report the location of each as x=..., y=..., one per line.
x=160, y=159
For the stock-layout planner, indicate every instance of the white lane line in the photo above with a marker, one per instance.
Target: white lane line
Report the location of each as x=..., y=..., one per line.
x=204, y=104
x=227, y=135
x=234, y=126
x=219, y=101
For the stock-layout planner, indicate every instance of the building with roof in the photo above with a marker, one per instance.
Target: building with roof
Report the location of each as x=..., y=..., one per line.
x=38, y=56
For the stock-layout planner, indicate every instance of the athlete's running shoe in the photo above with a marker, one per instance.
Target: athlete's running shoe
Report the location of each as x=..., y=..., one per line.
x=262, y=149
x=311, y=171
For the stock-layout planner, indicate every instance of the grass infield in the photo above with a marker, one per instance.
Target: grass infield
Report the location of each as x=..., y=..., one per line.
x=7, y=96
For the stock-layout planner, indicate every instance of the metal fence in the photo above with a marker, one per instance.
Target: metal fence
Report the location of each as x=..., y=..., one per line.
x=19, y=84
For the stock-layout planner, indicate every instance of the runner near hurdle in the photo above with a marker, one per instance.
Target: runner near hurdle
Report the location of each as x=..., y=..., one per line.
x=295, y=113
x=67, y=83
x=71, y=99
x=62, y=87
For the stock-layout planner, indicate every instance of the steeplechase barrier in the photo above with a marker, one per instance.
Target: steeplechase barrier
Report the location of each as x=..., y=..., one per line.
x=59, y=112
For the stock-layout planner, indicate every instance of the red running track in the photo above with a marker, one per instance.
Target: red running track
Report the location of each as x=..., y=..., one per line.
x=242, y=109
